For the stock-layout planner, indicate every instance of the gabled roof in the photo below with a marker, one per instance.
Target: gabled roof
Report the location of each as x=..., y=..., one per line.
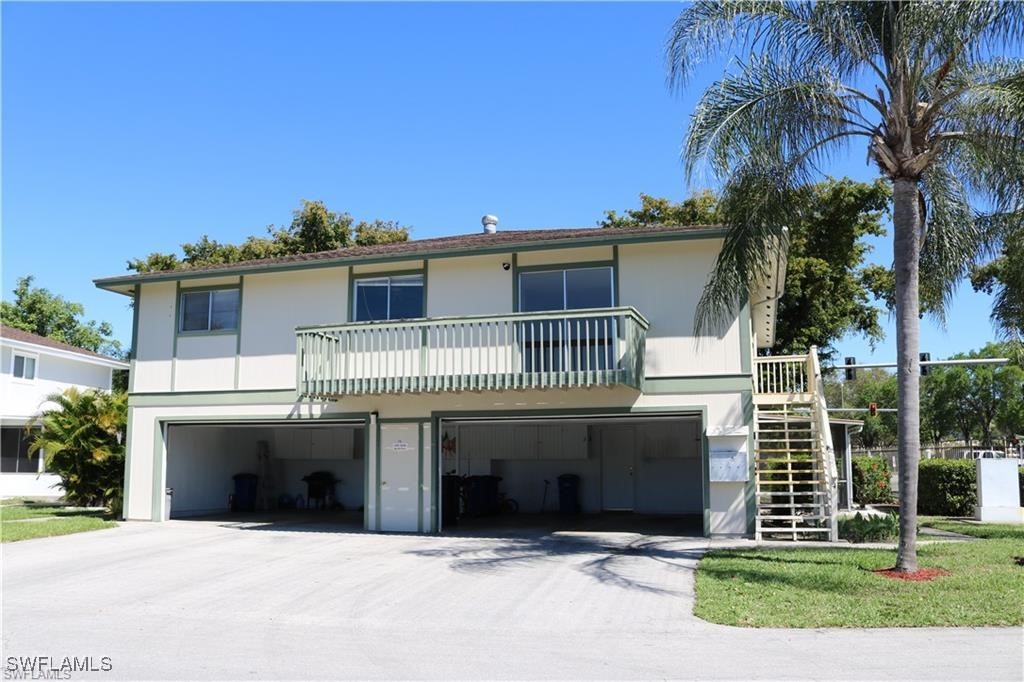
x=502, y=241
x=22, y=337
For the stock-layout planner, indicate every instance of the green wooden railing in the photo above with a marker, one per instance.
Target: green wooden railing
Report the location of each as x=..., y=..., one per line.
x=516, y=351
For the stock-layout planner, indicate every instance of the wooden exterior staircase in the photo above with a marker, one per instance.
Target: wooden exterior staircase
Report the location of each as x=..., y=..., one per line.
x=795, y=465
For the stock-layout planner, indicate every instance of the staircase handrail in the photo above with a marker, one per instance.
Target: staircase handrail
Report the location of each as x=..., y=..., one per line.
x=820, y=410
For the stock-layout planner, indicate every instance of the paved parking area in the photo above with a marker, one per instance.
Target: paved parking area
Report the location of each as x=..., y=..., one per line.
x=223, y=600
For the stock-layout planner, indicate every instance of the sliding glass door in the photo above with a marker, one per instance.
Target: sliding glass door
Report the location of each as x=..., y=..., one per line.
x=581, y=343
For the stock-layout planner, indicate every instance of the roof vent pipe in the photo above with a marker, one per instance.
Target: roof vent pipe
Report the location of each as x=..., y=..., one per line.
x=490, y=223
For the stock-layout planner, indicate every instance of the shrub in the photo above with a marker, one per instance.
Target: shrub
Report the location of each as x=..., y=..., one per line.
x=947, y=487
x=871, y=476
x=860, y=528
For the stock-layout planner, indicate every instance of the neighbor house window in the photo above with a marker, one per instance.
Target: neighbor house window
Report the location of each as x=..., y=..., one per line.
x=209, y=311
x=24, y=367
x=398, y=297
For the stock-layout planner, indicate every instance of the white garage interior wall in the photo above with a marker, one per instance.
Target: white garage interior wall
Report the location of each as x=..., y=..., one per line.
x=202, y=459
x=666, y=456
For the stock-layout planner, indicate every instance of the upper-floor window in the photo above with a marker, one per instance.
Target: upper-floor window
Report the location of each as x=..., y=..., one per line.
x=23, y=367
x=209, y=310
x=395, y=297
x=566, y=289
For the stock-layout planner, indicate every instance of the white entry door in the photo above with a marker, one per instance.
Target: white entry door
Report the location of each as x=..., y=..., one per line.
x=399, y=477
x=617, y=463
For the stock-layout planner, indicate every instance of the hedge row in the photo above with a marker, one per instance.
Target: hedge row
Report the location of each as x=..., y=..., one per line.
x=946, y=487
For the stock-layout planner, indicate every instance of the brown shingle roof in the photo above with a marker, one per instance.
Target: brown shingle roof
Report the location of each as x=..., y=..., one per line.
x=478, y=241
x=28, y=337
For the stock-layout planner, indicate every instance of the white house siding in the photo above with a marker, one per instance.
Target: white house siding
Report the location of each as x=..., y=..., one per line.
x=529, y=259
x=477, y=285
x=205, y=362
x=21, y=399
x=724, y=411
x=154, y=355
x=664, y=282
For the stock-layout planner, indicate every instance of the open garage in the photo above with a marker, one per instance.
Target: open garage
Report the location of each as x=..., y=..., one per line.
x=280, y=470
x=608, y=473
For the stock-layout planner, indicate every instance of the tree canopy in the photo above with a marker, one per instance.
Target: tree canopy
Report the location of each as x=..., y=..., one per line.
x=828, y=290
x=39, y=311
x=313, y=228
x=1003, y=278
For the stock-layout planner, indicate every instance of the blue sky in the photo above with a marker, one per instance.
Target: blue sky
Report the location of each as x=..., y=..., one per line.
x=133, y=128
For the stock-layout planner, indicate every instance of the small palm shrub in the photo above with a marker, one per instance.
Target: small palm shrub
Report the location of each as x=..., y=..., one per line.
x=859, y=528
x=871, y=476
x=82, y=439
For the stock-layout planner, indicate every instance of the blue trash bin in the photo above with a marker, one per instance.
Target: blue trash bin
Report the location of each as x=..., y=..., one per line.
x=569, y=494
x=245, y=493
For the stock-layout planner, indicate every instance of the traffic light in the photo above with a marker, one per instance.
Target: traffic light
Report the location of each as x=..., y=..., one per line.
x=925, y=369
x=873, y=409
x=851, y=374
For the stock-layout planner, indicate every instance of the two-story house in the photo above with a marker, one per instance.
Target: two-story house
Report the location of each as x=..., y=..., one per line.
x=33, y=367
x=525, y=355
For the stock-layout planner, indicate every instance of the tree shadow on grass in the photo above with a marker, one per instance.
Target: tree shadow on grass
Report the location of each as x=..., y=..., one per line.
x=607, y=562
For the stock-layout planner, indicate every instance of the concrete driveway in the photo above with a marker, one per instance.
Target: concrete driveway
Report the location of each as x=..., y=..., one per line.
x=214, y=600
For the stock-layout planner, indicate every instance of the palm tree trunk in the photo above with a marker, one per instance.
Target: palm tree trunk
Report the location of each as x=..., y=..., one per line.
x=907, y=247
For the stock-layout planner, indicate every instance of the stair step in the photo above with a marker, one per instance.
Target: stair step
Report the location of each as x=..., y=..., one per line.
x=773, y=493
x=781, y=517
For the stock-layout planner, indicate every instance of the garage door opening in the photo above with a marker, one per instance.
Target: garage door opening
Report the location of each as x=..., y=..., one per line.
x=610, y=473
x=274, y=472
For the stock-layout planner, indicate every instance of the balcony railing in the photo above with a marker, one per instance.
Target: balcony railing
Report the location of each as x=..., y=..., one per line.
x=560, y=349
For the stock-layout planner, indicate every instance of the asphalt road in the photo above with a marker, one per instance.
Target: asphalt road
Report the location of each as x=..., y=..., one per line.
x=205, y=600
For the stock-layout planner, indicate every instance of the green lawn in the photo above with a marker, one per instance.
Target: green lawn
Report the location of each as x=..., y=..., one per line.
x=991, y=531
x=835, y=587
x=26, y=521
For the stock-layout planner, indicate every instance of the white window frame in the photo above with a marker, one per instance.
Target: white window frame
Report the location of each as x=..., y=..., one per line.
x=35, y=366
x=209, y=311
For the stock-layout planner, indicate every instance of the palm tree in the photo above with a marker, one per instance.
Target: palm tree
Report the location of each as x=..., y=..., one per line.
x=82, y=439
x=937, y=109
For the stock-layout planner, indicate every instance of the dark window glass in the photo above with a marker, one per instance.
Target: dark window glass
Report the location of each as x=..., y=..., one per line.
x=224, y=309
x=14, y=457
x=216, y=310
x=539, y=291
x=195, y=311
x=588, y=288
x=389, y=298
x=406, y=298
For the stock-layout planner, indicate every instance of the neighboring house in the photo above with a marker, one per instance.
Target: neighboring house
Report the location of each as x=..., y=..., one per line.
x=520, y=354
x=31, y=368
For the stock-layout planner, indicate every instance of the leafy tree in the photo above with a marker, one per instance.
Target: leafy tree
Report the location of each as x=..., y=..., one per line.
x=42, y=312
x=828, y=287
x=82, y=438
x=871, y=386
x=313, y=228
x=916, y=82
x=1003, y=277
x=981, y=400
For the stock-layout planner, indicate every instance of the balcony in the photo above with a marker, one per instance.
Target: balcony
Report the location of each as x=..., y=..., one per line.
x=516, y=351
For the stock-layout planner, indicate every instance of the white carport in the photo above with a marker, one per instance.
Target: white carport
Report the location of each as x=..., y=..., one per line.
x=203, y=458
x=641, y=465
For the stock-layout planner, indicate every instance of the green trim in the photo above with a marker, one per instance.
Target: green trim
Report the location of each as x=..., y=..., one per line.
x=366, y=472
x=136, y=307
x=750, y=493
x=403, y=420
x=434, y=480
x=419, y=482
x=745, y=348
x=576, y=242
x=209, y=398
x=706, y=467
x=212, y=287
x=212, y=332
x=126, y=491
x=377, y=481
x=238, y=341
x=721, y=383
x=174, y=347
x=159, y=455
x=355, y=277
x=515, y=282
x=426, y=283
x=615, y=275
x=350, y=288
